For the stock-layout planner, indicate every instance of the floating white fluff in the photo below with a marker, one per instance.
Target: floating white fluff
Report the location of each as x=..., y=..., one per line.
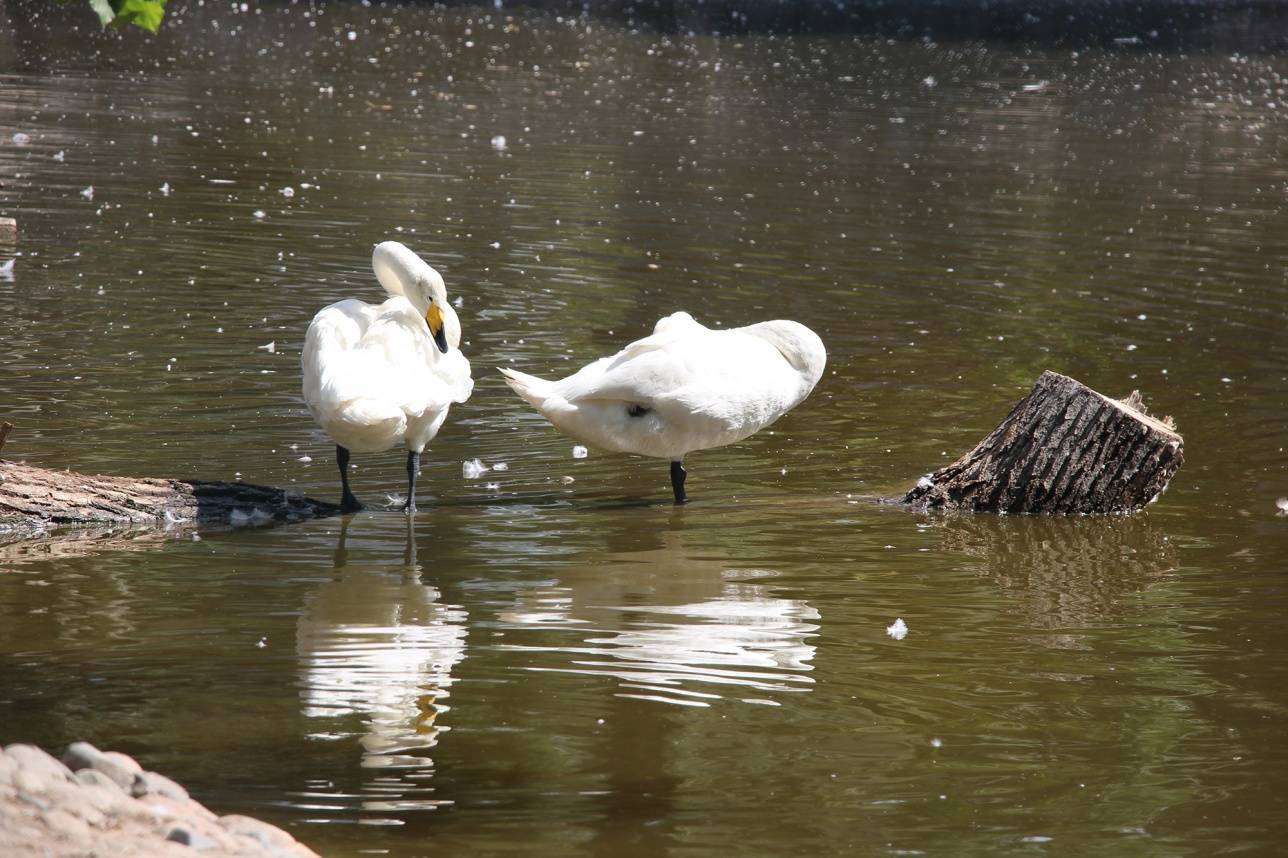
x=579, y=452
x=473, y=469
x=898, y=629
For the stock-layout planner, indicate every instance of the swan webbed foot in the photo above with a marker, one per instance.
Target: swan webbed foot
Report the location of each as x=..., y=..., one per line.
x=348, y=503
x=677, y=483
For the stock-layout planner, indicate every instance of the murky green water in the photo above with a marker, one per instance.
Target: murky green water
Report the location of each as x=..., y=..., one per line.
x=551, y=668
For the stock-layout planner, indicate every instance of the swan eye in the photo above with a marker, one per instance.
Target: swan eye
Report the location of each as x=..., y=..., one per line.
x=636, y=410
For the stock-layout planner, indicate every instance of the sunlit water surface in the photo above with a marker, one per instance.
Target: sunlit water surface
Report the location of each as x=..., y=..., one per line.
x=544, y=666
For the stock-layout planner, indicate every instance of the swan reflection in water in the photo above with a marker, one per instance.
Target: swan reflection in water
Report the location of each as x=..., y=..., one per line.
x=673, y=628
x=377, y=644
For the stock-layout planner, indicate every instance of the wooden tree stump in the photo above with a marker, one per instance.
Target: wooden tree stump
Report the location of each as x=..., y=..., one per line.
x=34, y=498
x=1064, y=448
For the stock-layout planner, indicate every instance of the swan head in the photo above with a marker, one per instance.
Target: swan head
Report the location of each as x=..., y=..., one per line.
x=404, y=274
x=800, y=346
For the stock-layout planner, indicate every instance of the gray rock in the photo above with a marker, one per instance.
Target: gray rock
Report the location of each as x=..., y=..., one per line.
x=93, y=777
x=124, y=760
x=45, y=810
x=120, y=768
x=269, y=836
x=66, y=825
x=81, y=755
x=188, y=837
x=100, y=792
x=8, y=769
x=33, y=800
x=36, y=762
x=151, y=782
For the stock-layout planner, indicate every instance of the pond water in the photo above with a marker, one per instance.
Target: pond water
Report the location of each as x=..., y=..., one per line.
x=543, y=667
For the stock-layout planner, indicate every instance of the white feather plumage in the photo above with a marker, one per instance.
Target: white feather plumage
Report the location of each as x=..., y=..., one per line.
x=374, y=378
x=687, y=387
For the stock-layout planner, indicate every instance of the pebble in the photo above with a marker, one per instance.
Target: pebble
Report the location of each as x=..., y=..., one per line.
x=195, y=839
x=149, y=782
x=119, y=768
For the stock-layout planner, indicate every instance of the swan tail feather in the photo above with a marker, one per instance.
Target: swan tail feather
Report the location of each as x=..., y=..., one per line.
x=535, y=391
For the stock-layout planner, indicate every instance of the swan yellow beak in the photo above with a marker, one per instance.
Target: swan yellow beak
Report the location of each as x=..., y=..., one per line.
x=434, y=318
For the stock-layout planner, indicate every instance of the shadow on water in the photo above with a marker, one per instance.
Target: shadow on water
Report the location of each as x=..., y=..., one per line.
x=1250, y=25
x=1256, y=26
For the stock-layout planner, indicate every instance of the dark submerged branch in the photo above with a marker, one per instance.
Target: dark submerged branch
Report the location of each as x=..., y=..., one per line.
x=34, y=499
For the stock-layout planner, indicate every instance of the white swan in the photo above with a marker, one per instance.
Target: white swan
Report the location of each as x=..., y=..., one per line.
x=379, y=376
x=685, y=388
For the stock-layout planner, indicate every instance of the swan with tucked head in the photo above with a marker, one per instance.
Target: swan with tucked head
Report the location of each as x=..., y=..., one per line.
x=686, y=387
x=379, y=376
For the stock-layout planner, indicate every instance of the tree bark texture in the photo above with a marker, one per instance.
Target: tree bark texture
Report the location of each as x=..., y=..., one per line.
x=1064, y=448
x=37, y=498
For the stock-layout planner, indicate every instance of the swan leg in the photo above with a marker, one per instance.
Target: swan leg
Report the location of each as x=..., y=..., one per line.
x=348, y=503
x=677, y=482
x=413, y=468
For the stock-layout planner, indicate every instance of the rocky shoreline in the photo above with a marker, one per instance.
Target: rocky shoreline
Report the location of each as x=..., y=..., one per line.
x=96, y=804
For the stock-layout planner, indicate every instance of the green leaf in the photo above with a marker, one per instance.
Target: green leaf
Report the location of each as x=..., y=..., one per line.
x=141, y=13
x=104, y=10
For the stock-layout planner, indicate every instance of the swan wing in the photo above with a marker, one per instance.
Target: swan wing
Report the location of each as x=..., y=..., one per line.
x=399, y=358
x=700, y=370
x=668, y=395
x=374, y=378
x=685, y=387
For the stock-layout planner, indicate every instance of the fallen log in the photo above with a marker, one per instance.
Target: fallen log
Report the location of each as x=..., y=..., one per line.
x=34, y=498
x=1064, y=448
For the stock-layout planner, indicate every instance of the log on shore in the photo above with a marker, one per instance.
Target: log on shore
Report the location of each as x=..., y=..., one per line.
x=1064, y=448
x=34, y=498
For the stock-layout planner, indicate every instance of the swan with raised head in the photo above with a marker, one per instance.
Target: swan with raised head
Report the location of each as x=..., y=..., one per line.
x=686, y=387
x=380, y=376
